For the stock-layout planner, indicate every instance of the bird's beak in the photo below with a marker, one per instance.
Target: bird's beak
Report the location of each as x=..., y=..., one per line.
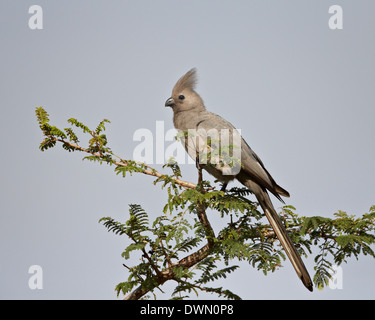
x=169, y=102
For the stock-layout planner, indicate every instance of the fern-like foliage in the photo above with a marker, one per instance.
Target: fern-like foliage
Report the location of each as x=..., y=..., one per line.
x=339, y=239
x=180, y=245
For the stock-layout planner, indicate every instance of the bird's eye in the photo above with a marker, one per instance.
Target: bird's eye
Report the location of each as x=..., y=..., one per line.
x=181, y=97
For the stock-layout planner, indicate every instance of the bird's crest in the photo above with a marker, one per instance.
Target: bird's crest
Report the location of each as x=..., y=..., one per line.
x=187, y=81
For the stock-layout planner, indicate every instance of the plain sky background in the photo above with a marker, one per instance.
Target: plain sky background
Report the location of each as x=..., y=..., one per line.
x=302, y=94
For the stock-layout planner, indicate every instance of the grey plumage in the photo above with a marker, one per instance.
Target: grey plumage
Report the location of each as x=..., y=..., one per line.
x=190, y=114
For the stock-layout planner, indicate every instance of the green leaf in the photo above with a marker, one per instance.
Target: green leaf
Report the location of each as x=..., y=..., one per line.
x=78, y=124
x=42, y=116
x=101, y=126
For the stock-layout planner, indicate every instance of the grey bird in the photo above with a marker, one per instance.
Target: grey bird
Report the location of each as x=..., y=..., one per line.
x=189, y=113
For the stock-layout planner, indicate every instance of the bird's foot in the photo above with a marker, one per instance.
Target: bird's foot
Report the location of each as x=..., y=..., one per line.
x=197, y=163
x=224, y=186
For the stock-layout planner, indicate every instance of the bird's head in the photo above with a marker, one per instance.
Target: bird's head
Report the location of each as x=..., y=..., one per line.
x=183, y=95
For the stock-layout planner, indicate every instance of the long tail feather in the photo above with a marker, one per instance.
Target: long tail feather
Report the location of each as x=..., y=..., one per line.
x=282, y=235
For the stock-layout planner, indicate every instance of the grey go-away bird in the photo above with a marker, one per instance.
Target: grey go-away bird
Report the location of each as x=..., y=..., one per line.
x=189, y=114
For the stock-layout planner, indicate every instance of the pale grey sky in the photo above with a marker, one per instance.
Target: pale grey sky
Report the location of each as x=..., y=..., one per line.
x=302, y=94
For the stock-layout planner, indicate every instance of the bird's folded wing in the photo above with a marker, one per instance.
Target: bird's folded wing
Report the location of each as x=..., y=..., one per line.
x=250, y=162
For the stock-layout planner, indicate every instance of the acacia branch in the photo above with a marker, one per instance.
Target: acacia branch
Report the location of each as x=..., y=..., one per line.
x=187, y=262
x=344, y=236
x=123, y=163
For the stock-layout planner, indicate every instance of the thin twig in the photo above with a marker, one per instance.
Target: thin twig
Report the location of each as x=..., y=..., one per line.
x=190, y=260
x=123, y=163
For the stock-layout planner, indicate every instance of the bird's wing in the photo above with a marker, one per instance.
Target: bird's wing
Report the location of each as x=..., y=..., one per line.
x=252, y=166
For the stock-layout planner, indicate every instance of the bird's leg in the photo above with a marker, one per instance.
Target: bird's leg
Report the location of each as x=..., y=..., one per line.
x=223, y=188
x=200, y=178
x=197, y=163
